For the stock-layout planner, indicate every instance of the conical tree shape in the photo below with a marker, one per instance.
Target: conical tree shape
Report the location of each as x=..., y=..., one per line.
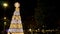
x=16, y=23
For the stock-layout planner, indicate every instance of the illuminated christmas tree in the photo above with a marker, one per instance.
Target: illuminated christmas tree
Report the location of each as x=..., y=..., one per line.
x=16, y=24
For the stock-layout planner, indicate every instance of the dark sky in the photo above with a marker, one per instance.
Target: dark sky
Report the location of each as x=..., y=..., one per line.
x=48, y=8
x=27, y=8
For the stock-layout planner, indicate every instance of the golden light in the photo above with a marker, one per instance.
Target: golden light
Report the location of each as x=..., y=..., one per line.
x=5, y=23
x=38, y=29
x=29, y=29
x=5, y=4
x=17, y=4
x=4, y=17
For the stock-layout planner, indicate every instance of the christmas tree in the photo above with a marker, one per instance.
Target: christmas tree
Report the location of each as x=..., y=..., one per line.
x=16, y=23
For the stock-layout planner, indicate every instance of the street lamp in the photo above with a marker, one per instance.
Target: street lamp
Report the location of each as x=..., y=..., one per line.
x=5, y=4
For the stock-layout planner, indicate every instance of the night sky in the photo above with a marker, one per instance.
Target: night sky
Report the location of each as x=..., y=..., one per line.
x=48, y=8
x=27, y=10
x=27, y=7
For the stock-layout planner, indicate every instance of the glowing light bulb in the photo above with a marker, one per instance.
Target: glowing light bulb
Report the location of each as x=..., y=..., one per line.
x=5, y=4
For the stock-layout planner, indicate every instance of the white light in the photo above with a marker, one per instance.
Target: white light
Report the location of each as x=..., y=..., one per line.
x=43, y=26
x=5, y=4
x=38, y=29
x=17, y=5
x=4, y=17
x=29, y=29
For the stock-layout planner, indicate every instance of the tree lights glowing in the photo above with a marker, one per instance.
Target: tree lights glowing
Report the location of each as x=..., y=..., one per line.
x=16, y=26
